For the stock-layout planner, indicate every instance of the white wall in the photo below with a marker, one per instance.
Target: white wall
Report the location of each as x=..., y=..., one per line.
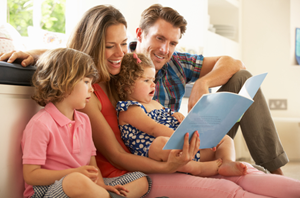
x=131, y=9
x=266, y=47
x=197, y=23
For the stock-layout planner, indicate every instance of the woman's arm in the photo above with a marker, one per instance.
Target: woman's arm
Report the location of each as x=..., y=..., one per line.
x=25, y=58
x=135, y=116
x=106, y=143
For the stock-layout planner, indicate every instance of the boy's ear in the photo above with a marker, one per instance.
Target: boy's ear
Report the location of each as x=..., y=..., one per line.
x=139, y=32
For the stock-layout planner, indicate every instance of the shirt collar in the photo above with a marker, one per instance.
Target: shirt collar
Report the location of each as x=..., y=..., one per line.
x=60, y=118
x=161, y=73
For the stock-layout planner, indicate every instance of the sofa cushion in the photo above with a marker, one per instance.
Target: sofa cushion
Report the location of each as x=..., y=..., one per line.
x=15, y=74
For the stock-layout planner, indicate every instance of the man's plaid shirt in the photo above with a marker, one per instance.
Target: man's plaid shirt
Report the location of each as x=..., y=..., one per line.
x=170, y=81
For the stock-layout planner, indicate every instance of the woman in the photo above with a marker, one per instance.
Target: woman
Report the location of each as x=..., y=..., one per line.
x=102, y=34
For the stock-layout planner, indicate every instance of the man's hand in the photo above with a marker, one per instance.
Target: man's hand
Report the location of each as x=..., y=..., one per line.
x=199, y=88
x=215, y=71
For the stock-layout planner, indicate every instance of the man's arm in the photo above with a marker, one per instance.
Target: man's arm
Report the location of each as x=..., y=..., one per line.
x=215, y=71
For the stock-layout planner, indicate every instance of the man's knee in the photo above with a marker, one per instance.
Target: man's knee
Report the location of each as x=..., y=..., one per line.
x=240, y=77
x=243, y=75
x=235, y=83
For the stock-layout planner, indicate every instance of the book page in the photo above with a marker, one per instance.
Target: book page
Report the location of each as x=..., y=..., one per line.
x=251, y=85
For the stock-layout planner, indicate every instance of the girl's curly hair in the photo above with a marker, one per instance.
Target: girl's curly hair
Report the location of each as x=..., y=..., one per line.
x=130, y=71
x=57, y=73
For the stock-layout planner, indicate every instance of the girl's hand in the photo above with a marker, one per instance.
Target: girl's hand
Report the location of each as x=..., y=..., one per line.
x=118, y=189
x=22, y=57
x=90, y=171
x=178, y=116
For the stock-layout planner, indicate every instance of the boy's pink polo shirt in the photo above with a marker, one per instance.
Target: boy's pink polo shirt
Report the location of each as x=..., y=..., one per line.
x=54, y=142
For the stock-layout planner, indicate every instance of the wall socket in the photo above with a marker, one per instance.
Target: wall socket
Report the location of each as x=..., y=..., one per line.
x=278, y=104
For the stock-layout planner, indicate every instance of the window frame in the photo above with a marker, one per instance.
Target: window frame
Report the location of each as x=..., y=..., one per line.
x=3, y=11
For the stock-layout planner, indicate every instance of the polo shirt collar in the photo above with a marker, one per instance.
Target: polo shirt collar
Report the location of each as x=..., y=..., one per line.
x=60, y=118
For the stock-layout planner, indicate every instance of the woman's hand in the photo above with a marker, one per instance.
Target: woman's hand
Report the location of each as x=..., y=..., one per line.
x=178, y=158
x=20, y=57
x=90, y=171
x=118, y=189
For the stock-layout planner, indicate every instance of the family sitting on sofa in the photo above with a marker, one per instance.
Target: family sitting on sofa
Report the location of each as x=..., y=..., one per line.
x=101, y=34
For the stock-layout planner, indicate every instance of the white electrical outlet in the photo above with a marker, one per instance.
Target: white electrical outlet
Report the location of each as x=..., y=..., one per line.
x=278, y=104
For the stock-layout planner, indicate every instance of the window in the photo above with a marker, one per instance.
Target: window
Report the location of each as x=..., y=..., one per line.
x=46, y=14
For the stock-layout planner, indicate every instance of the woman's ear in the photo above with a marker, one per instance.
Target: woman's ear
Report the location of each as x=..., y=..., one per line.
x=139, y=32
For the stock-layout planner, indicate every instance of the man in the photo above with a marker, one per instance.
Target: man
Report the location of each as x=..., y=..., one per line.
x=158, y=34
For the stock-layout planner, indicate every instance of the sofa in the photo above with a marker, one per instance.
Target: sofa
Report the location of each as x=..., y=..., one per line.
x=17, y=108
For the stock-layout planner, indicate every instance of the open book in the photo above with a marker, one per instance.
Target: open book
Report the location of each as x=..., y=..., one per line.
x=215, y=114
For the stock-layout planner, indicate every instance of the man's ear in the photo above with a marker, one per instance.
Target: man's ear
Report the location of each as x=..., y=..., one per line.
x=139, y=32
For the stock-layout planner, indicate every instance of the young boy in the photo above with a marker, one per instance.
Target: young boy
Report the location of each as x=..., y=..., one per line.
x=58, y=150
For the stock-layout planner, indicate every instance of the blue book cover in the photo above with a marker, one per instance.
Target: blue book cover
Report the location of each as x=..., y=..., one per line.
x=215, y=114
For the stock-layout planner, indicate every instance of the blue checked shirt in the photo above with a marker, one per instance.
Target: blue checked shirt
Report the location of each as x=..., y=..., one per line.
x=171, y=79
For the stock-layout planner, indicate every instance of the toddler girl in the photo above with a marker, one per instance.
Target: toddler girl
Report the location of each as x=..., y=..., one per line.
x=146, y=125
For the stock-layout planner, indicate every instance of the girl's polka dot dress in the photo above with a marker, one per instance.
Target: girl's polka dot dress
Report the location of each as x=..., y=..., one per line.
x=139, y=142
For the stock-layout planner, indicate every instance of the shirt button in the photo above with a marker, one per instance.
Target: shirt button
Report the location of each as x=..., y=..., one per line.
x=74, y=137
x=70, y=125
